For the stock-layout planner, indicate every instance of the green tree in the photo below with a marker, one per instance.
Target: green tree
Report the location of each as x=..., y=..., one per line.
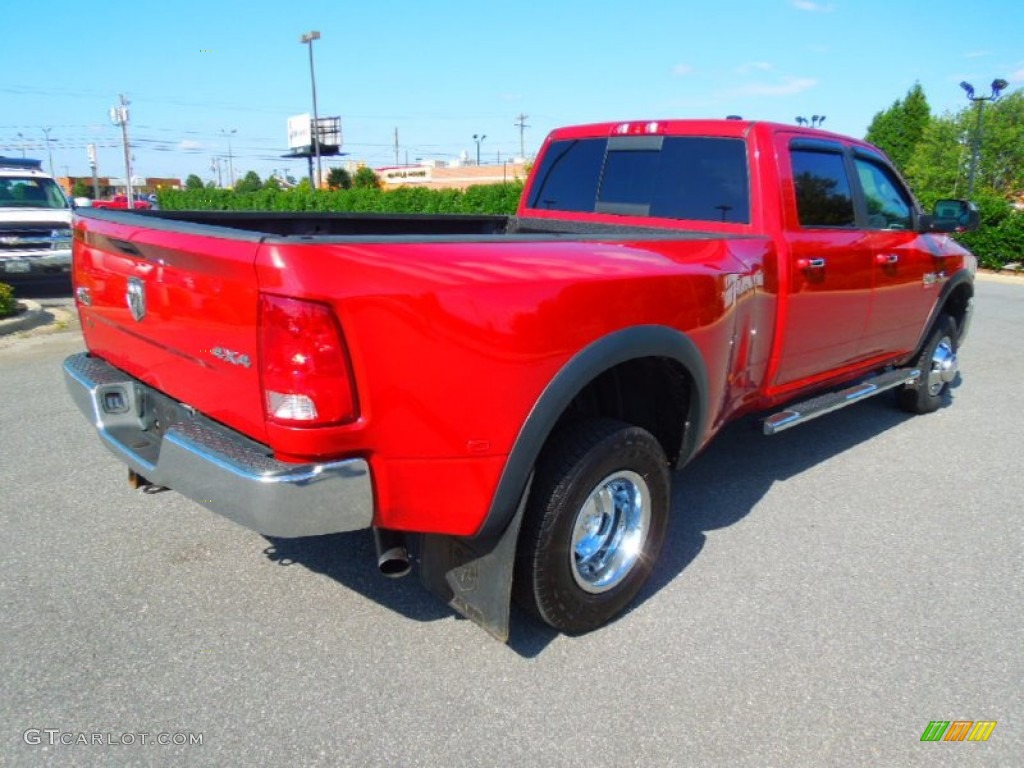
x=941, y=163
x=193, y=182
x=938, y=167
x=272, y=183
x=81, y=189
x=1001, y=162
x=365, y=178
x=339, y=178
x=251, y=182
x=898, y=130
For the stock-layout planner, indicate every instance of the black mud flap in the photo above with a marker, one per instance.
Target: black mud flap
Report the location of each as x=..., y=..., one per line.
x=474, y=576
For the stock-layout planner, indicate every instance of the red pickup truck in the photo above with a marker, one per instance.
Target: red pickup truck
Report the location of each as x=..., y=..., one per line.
x=517, y=389
x=121, y=201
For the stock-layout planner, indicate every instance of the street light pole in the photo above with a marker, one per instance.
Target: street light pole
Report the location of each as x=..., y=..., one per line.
x=231, y=159
x=998, y=86
x=814, y=122
x=21, y=138
x=478, y=138
x=307, y=39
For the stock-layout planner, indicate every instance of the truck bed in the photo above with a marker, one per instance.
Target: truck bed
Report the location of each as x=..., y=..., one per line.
x=391, y=227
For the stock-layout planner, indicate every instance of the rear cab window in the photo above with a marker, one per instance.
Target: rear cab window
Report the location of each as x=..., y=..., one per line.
x=675, y=177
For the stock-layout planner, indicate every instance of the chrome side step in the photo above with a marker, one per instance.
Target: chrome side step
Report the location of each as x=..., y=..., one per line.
x=798, y=413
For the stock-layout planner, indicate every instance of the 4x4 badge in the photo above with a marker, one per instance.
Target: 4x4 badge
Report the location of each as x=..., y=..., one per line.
x=136, y=297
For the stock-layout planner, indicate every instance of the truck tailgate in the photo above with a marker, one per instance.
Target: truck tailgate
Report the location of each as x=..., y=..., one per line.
x=176, y=310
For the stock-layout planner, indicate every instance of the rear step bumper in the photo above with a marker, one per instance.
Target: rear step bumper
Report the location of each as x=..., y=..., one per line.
x=799, y=413
x=215, y=466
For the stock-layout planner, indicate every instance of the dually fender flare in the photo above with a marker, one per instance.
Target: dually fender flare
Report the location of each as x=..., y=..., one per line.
x=963, y=277
x=593, y=360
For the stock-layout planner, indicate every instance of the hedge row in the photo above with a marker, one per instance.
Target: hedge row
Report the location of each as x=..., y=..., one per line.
x=1000, y=238
x=501, y=199
x=999, y=241
x=8, y=306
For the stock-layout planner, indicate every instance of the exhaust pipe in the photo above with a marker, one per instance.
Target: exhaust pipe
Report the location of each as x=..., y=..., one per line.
x=392, y=554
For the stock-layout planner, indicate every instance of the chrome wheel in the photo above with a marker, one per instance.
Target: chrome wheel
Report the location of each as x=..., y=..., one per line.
x=943, y=366
x=609, y=532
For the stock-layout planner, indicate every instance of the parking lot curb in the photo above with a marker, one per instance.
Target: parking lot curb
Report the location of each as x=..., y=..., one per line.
x=31, y=316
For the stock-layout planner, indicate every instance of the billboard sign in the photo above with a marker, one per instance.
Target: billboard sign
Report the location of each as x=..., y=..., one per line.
x=300, y=134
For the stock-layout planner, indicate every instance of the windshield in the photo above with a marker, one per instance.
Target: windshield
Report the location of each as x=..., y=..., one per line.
x=30, y=192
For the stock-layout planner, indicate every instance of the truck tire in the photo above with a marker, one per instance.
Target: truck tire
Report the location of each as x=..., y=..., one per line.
x=938, y=365
x=594, y=524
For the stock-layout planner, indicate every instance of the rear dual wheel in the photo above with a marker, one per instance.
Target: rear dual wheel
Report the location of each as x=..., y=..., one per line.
x=594, y=525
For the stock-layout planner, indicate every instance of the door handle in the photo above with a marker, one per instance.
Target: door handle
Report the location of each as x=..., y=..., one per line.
x=810, y=263
x=886, y=259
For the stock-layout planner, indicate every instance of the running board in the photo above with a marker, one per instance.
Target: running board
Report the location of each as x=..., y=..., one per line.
x=798, y=413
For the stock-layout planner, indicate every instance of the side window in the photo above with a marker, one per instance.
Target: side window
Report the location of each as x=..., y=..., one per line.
x=823, y=197
x=567, y=180
x=887, y=202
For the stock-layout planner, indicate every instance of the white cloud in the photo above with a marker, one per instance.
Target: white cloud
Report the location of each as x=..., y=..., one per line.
x=190, y=146
x=788, y=87
x=808, y=5
x=975, y=54
x=682, y=70
x=1017, y=77
x=754, y=66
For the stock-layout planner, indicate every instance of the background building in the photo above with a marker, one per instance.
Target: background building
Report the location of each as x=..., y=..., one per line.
x=440, y=176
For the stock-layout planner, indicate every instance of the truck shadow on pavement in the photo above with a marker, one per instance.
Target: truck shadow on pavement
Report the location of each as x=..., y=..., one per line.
x=723, y=484
x=717, y=489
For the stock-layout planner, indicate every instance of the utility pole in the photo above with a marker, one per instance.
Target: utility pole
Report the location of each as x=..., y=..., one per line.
x=21, y=138
x=119, y=116
x=231, y=159
x=478, y=138
x=49, y=150
x=521, y=124
x=215, y=167
x=92, y=166
x=396, y=145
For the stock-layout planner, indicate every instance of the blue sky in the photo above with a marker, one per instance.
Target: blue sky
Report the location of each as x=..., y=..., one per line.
x=441, y=72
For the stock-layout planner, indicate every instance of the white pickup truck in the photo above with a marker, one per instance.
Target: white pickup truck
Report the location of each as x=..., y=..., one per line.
x=35, y=222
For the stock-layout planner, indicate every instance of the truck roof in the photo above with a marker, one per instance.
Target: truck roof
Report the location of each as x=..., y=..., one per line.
x=20, y=164
x=680, y=127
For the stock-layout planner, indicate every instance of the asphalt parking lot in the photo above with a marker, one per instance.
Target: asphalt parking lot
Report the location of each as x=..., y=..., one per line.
x=824, y=594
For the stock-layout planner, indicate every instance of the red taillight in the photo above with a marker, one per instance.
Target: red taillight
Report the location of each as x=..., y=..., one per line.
x=304, y=364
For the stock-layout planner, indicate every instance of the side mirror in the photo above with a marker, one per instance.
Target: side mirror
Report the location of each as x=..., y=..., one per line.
x=952, y=216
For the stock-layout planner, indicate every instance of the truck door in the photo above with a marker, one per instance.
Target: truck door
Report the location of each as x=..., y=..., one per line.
x=830, y=270
x=905, y=271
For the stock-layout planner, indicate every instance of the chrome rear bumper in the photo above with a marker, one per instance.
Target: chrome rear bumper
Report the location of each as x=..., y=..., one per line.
x=215, y=466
